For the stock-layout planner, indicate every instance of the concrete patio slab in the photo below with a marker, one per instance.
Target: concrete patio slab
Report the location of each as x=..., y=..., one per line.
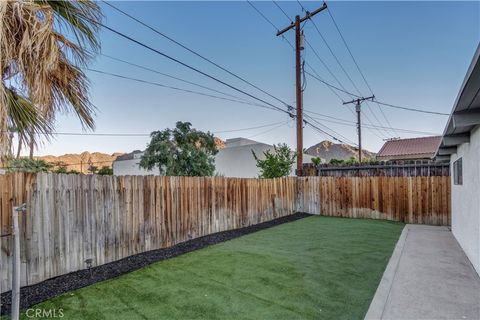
x=427, y=277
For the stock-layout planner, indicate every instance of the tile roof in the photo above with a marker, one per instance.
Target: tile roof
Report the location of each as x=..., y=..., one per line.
x=407, y=147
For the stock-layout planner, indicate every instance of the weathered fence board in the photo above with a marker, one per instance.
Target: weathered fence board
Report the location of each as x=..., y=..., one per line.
x=424, y=200
x=397, y=168
x=72, y=218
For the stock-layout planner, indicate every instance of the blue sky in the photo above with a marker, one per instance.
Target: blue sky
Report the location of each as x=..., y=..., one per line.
x=413, y=54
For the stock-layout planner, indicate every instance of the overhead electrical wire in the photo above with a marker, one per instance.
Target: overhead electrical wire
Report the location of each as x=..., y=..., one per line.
x=320, y=59
x=305, y=121
x=353, y=124
x=268, y=130
x=194, y=52
x=347, y=74
x=334, y=132
x=355, y=62
x=118, y=134
x=283, y=11
x=181, y=89
x=411, y=109
x=170, y=76
x=377, y=101
x=191, y=67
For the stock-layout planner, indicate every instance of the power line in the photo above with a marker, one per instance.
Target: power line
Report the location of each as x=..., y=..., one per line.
x=305, y=121
x=263, y=16
x=411, y=109
x=348, y=49
x=148, y=134
x=355, y=62
x=329, y=85
x=190, y=67
x=376, y=101
x=170, y=76
x=330, y=129
x=352, y=124
x=341, y=66
x=325, y=65
x=283, y=11
x=181, y=89
x=194, y=52
x=268, y=130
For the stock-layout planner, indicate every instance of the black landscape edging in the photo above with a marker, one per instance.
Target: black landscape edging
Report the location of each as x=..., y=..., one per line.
x=51, y=288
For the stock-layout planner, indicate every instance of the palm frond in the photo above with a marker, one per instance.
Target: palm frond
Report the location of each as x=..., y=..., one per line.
x=45, y=63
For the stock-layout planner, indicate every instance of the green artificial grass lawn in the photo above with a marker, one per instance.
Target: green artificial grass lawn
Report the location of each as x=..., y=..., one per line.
x=314, y=268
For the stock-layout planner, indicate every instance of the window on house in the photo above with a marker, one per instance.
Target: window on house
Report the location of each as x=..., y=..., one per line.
x=458, y=172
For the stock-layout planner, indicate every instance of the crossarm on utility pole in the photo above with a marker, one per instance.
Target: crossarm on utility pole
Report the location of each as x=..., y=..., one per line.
x=298, y=79
x=358, y=102
x=308, y=15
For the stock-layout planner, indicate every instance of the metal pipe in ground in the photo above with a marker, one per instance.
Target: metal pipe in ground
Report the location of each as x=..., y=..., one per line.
x=15, y=311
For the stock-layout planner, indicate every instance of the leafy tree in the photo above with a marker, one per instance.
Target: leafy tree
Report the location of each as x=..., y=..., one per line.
x=28, y=165
x=61, y=169
x=316, y=161
x=45, y=44
x=336, y=161
x=105, y=171
x=182, y=151
x=352, y=160
x=277, y=163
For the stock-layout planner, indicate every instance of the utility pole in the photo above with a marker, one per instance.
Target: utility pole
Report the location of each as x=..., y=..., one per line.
x=298, y=77
x=359, y=123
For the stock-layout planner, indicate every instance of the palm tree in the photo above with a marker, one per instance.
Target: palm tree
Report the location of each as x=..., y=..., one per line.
x=43, y=46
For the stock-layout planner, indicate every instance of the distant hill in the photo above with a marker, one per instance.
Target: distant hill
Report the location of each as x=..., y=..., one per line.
x=328, y=150
x=81, y=162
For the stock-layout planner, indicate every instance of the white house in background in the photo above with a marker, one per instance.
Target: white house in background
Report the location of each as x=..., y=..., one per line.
x=129, y=165
x=461, y=146
x=234, y=160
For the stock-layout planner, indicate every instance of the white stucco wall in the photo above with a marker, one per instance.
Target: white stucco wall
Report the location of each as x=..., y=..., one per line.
x=466, y=199
x=239, y=162
x=132, y=168
x=235, y=160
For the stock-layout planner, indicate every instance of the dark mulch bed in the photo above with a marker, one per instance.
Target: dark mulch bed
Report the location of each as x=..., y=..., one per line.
x=50, y=288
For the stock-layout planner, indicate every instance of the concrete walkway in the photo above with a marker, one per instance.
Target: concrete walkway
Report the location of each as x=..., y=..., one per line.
x=427, y=277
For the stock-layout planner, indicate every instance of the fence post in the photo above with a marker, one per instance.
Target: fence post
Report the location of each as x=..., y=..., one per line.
x=16, y=263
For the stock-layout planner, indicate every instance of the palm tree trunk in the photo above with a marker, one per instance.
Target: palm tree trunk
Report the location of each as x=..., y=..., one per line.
x=32, y=145
x=20, y=144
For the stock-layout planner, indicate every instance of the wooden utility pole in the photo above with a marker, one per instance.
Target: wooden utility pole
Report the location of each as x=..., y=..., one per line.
x=298, y=77
x=358, y=103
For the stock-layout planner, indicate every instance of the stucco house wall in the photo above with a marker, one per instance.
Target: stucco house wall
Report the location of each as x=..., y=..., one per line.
x=235, y=160
x=466, y=199
x=238, y=161
x=131, y=167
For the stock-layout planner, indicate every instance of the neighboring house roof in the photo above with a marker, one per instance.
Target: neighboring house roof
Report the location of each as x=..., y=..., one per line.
x=238, y=142
x=128, y=156
x=465, y=115
x=414, y=148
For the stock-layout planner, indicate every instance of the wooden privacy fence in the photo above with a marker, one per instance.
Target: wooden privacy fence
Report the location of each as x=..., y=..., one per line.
x=72, y=218
x=388, y=168
x=422, y=200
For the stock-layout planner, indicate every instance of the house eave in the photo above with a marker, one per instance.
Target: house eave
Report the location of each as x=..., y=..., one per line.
x=465, y=115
